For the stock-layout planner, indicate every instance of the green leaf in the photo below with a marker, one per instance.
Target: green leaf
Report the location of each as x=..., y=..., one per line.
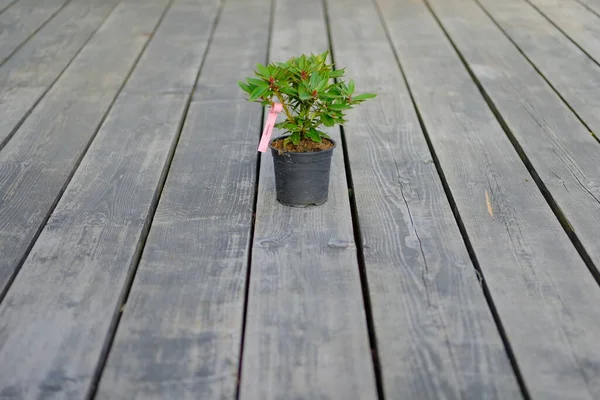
x=323, y=56
x=245, y=87
x=303, y=93
x=350, y=87
x=329, y=96
x=337, y=73
x=314, y=135
x=339, y=107
x=287, y=126
x=258, y=92
x=327, y=120
x=295, y=138
x=314, y=80
x=321, y=85
x=262, y=70
x=289, y=91
x=257, y=82
x=364, y=96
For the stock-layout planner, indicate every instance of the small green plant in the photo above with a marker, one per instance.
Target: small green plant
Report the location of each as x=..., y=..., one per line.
x=310, y=91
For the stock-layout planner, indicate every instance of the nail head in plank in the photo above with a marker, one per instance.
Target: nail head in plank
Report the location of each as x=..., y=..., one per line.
x=539, y=285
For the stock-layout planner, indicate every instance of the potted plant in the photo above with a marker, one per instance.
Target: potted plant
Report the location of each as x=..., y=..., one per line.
x=311, y=94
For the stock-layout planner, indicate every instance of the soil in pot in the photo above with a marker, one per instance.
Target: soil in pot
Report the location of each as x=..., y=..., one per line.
x=302, y=177
x=305, y=145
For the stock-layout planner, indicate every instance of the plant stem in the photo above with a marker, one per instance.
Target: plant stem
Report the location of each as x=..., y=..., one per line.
x=287, y=111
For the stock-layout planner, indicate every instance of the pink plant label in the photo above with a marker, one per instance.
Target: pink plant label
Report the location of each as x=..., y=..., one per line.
x=266, y=135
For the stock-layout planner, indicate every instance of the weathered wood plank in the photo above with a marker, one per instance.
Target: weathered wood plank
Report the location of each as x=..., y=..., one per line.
x=435, y=332
x=233, y=62
x=592, y=5
x=180, y=333
x=56, y=316
x=564, y=157
x=21, y=20
x=15, y=103
x=540, y=287
x=28, y=74
x=306, y=333
x=4, y=4
x=576, y=21
x=187, y=300
x=38, y=160
x=169, y=65
x=573, y=74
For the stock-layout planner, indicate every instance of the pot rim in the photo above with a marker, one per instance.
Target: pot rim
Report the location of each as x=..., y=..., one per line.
x=302, y=154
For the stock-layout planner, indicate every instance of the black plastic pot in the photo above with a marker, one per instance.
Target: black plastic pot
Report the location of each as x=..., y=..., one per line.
x=302, y=179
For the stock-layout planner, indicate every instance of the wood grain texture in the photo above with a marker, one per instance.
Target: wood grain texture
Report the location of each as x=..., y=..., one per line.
x=181, y=329
x=37, y=162
x=14, y=105
x=592, y=5
x=306, y=333
x=435, y=332
x=21, y=20
x=576, y=21
x=28, y=74
x=565, y=158
x=56, y=316
x=4, y=4
x=114, y=47
x=540, y=287
x=572, y=73
x=173, y=57
x=233, y=62
x=180, y=333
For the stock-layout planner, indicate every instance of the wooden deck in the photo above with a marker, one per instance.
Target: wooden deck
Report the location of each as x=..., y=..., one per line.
x=143, y=254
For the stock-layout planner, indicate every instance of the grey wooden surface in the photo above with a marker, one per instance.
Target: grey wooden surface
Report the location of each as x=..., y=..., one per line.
x=421, y=279
x=576, y=21
x=540, y=287
x=30, y=72
x=77, y=269
x=592, y=5
x=39, y=159
x=77, y=310
x=575, y=76
x=187, y=300
x=112, y=216
x=306, y=335
x=21, y=20
x=569, y=159
x=174, y=55
x=4, y=4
